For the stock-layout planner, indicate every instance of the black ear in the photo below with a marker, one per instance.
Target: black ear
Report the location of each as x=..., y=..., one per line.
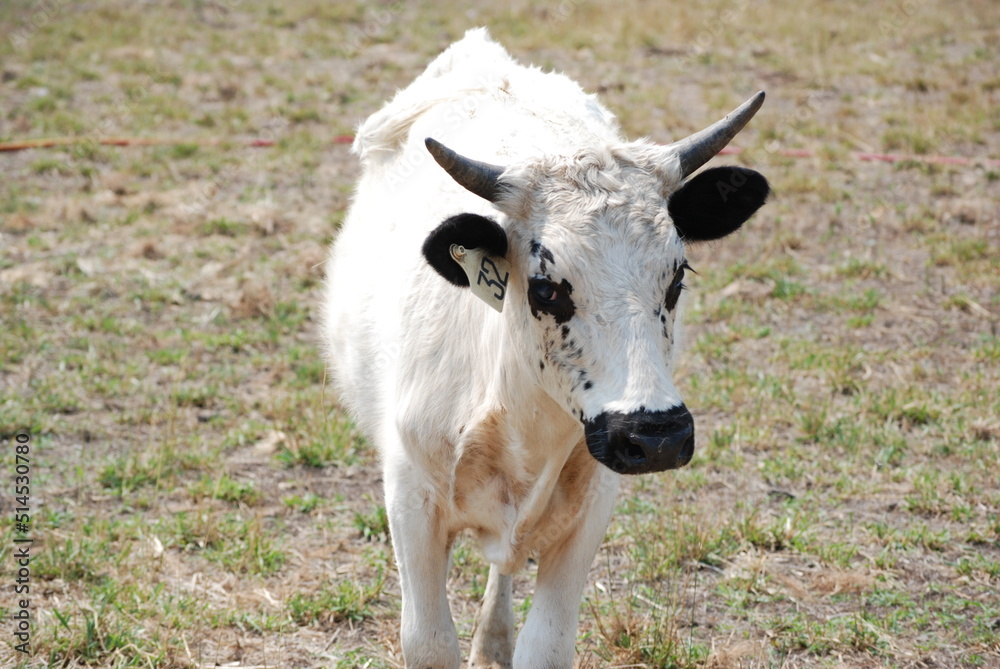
x=717, y=202
x=469, y=230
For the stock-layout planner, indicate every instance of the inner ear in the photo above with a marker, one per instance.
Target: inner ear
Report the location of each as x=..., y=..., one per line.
x=469, y=230
x=716, y=202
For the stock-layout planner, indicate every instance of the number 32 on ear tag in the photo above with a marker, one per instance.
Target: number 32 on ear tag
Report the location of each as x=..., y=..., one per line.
x=487, y=274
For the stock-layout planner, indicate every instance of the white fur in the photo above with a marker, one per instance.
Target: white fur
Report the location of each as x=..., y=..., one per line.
x=431, y=373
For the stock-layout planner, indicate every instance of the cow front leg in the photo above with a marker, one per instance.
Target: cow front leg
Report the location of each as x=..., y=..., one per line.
x=493, y=638
x=422, y=548
x=547, y=640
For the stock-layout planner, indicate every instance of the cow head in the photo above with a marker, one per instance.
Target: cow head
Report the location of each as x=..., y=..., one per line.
x=595, y=244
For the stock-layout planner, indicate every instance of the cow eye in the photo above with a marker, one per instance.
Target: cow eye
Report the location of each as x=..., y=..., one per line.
x=546, y=297
x=676, y=286
x=543, y=291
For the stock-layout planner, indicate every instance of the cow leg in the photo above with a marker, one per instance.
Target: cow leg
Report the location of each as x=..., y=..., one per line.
x=493, y=638
x=547, y=640
x=422, y=548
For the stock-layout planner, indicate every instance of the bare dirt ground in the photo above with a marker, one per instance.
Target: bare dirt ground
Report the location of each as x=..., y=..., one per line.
x=197, y=499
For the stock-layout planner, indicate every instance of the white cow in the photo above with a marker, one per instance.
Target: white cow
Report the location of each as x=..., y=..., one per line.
x=516, y=421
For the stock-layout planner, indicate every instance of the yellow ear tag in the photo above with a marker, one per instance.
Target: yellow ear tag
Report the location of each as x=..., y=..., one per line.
x=487, y=274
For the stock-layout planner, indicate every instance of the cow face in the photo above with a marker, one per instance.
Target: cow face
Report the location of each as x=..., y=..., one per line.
x=602, y=286
x=604, y=272
x=596, y=248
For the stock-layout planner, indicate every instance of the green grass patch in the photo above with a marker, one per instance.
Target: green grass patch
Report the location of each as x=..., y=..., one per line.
x=348, y=599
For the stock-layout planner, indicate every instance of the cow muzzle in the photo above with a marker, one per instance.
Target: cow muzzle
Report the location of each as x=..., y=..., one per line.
x=640, y=442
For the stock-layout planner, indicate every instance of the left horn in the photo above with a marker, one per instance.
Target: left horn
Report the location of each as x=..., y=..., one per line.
x=480, y=178
x=697, y=149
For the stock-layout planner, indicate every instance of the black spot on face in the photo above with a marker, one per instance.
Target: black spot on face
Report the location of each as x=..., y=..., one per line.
x=545, y=256
x=588, y=385
x=565, y=331
x=541, y=365
x=560, y=306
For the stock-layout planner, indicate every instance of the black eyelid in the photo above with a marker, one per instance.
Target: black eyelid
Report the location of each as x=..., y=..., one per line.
x=540, y=281
x=681, y=269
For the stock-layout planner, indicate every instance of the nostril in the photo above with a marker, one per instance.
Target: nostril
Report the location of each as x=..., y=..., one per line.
x=687, y=450
x=635, y=452
x=630, y=449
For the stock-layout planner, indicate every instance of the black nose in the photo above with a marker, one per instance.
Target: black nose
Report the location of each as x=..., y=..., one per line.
x=642, y=441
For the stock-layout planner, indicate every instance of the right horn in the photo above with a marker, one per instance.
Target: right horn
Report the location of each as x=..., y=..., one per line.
x=697, y=149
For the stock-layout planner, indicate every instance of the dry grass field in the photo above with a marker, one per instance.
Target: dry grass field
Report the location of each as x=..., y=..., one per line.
x=198, y=500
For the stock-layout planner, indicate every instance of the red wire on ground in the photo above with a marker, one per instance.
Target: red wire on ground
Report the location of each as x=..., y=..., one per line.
x=347, y=139
x=139, y=141
x=881, y=157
